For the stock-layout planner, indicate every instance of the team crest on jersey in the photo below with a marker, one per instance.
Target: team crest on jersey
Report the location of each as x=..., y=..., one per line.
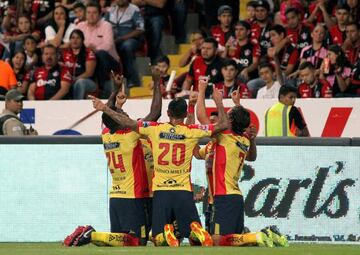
x=204, y=127
x=304, y=36
x=214, y=72
x=55, y=74
x=172, y=130
x=247, y=52
x=146, y=124
x=242, y=146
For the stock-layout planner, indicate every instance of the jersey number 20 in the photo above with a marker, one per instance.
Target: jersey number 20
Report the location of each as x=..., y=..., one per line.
x=177, y=154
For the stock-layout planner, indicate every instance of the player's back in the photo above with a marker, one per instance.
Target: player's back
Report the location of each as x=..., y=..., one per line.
x=172, y=151
x=125, y=157
x=230, y=153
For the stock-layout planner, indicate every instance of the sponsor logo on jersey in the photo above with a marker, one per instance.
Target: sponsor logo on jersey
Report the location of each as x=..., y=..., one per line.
x=111, y=146
x=242, y=146
x=171, y=136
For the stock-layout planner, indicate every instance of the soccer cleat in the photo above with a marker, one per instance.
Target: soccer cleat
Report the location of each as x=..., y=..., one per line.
x=69, y=240
x=263, y=240
x=201, y=234
x=84, y=237
x=169, y=235
x=278, y=238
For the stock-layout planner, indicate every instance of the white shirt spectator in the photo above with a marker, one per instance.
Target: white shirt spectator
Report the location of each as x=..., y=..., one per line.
x=50, y=33
x=268, y=93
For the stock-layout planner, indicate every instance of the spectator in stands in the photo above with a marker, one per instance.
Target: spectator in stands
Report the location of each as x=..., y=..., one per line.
x=250, y=11
x=354, y=87
x=321, y=11
x=354, y=6
x=7, y=77
x=10, y=124
x=128, y=27
x=81, y=62
x=338, y=73
x=207, y=67
x=23, y=29
x=22, y=76
x=32, y=53
x=311, y=86
x=4, y=53
x=59, y=29
x=272, y=87
x=211, y=8
x=50, y=82
x=290, y=4
x=223, y=31
x=260, y=28
x=177, y=10
x=351, y=45
x=299, y=33
x=230, y=84
x=337, y=32
x=79, y=12
x=99, y=37
x=244, y=52
x=16, y=9
x=154, y=15
x=105, y=6
x=42, y=12
x=196, y=40
x=316, y=52
x=290, y=124
x=286, y=51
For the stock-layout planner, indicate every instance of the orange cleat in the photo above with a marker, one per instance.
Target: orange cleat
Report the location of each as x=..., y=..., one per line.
x=203, y=236
x=170, y=236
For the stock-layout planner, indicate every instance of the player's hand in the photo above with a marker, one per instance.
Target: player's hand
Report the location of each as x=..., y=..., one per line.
x=235, y=96
x=117, y=79
x=217, y=96
x=97, y=104
x=252, y=132
x=120, y=99
x=193, y=97
x=155, y=73
x=202, y=85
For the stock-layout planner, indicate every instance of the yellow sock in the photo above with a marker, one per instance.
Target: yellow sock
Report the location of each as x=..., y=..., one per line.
x=110, y=239
x=238, y=239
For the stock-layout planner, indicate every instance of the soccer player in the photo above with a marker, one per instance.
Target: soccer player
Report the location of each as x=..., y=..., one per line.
x=129, y=193
x=232, y=147
x=173, y=144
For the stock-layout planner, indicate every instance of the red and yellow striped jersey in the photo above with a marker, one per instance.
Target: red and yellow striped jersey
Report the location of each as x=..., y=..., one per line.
x=172, y=148
x=125, y=157
x=230, y=153
x=207, y=152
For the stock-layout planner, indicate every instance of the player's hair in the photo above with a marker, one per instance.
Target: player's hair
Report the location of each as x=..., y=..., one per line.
x=239, y=118
x=163, y=59
x=279, y=29
x=211, y=40
x=94, y=4
x=110, y=123
x=292, y=9
x=305, y=65
x=177, y=108
x=286, y=89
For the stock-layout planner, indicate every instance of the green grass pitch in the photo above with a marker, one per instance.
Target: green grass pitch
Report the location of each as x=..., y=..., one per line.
x=58, y=249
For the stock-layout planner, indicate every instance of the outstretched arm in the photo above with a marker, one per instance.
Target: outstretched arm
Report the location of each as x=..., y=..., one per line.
x=190, y=117
x=223, y=122
x=115, y=98
x=156, y=103
x=200, y=107
x=252, y=153
x=118, y=117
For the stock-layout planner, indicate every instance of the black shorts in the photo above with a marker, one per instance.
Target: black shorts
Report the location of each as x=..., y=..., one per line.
x=228, y=215
x=170, y=205
x=130, y=214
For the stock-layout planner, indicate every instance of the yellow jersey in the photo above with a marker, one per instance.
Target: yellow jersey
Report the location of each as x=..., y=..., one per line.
x=125, y=156
x=149, y=162
x=207, y=152
x=230, y=152
x=172, y=148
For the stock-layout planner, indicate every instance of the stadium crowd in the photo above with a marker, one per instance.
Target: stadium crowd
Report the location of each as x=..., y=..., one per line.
x=68, y=49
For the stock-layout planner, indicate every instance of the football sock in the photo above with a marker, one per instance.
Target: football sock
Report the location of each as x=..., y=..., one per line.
x=238, y=239
x=113, y=239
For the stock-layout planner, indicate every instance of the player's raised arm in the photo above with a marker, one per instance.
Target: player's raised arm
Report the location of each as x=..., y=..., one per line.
x=252, y=153
x=200, y=105
x=190, y=117
x=118, y=117
x=119, y=87
x=223, y=122
x=156, y=103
